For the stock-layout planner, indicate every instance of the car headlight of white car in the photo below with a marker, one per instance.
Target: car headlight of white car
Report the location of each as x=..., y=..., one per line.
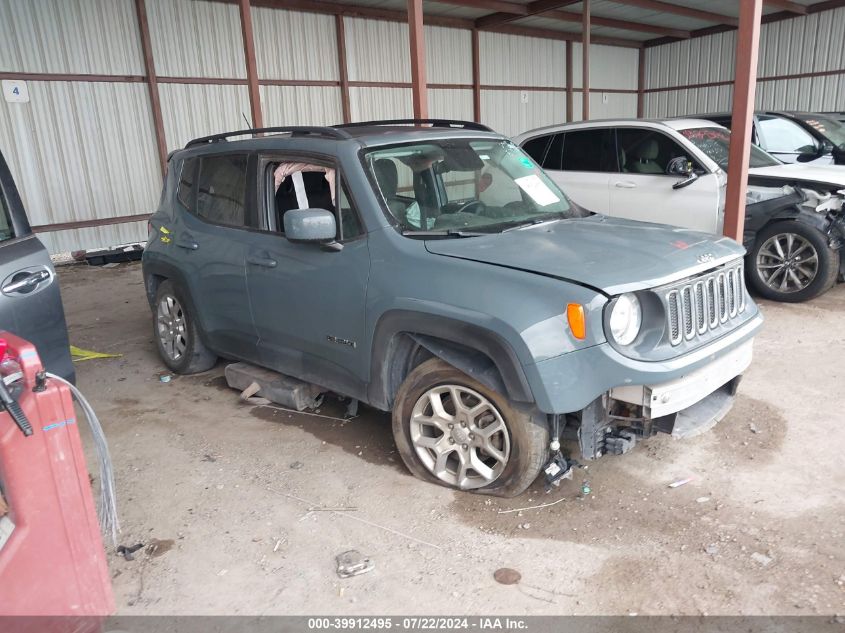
x=626, y=318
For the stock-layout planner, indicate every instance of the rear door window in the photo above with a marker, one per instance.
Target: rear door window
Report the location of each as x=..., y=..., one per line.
x=554, y=157
x=536, y=148
x=187, y=177
x=221, y=189
x=587, y=150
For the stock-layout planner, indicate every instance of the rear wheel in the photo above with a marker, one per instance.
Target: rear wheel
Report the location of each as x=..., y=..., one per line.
x=176, y=334
x=792, y=262
x=452, y=430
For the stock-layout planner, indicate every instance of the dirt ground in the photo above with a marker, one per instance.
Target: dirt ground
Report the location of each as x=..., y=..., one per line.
x=237, y=494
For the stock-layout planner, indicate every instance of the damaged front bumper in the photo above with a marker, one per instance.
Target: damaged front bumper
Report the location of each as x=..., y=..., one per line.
x=683, y=407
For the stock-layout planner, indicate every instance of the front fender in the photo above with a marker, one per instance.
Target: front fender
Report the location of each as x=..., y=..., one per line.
x=395, y=323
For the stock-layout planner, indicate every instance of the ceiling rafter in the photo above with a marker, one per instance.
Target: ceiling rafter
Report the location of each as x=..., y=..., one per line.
x=787, y=5
x=640, y=27
x=353, y=11
x=676, y=9
x=499, y=6
x=533, y=8
x=818, y=7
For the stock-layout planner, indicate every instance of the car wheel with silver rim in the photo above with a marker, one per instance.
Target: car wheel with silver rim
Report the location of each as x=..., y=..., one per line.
x=792, y=261
x=454, y=431
x=179, y=344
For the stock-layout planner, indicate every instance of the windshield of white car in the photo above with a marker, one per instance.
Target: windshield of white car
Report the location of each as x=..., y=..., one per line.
x=715, y=142
x=832, y=130
x=462, y=187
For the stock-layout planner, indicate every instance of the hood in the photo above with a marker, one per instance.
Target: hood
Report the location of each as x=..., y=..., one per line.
x=824, y=174
x=611, y=255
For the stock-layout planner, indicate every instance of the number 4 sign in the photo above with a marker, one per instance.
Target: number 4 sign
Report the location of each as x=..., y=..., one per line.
x=15, y=91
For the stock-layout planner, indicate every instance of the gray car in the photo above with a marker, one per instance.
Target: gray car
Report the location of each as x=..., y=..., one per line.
x=436, y=272
x=30, y=301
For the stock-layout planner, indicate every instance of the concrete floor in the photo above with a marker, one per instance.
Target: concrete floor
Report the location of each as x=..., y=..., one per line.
x=234, y=485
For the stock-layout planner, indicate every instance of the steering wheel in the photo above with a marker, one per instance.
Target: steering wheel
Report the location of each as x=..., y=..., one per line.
x=479, y=207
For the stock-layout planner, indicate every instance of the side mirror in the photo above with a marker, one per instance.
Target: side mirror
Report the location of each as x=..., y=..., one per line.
x=315, y=226
x=680, y=166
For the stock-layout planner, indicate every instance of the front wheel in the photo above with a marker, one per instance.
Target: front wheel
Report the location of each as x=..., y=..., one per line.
x=792, y=262
x=454, y=431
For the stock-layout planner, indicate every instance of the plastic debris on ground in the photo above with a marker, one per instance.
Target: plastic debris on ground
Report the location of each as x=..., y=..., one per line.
x=680, y=482
x=128, y=551
x=353, y=563
x=79, y=354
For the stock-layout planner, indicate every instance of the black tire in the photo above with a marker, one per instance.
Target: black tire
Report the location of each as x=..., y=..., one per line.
x=196, y=357
x=526, y=427
x=826, y=273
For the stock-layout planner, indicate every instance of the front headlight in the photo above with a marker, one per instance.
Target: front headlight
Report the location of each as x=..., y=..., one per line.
x=626, y=318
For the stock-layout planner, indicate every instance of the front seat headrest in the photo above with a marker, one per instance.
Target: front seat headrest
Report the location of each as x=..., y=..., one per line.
x=387, y=176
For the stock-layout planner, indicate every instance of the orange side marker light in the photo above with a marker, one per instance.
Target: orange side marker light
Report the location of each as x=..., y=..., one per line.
x=577, y=322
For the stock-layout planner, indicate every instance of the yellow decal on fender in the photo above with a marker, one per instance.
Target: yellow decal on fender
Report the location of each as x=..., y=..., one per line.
x=164, y=230
x=165, y=239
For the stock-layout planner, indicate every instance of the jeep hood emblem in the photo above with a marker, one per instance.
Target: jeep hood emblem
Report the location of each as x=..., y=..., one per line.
x=705, y=257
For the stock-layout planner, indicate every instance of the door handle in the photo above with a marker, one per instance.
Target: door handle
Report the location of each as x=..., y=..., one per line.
x=625, y=184
x=186, y=241
x=267, y=262
x=27, y=283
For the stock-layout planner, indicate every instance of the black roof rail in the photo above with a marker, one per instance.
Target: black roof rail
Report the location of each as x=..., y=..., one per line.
x=296, y=130
x=447, y=123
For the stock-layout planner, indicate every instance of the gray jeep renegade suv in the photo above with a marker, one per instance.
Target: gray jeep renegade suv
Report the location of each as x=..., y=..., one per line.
x=433, y=270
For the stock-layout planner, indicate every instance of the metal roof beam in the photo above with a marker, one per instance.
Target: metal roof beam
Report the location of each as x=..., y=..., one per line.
x=625, y=25
x=532, y=8
x=687, y=12
x=499, y=6
x=786, y=5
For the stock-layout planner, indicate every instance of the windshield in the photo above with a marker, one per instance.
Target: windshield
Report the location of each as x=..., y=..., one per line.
x=465, y=185
x=832, y=130
x=715, y=142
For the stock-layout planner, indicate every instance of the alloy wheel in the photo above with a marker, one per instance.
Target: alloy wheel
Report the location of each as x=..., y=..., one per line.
x=787, y=262
x=171, y=326
x=460, y=436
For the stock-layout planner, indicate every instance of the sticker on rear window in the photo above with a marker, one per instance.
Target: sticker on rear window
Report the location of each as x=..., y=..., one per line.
x=537, y=189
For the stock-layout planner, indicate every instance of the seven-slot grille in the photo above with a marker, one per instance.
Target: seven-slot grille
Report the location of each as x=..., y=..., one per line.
x=705, y=303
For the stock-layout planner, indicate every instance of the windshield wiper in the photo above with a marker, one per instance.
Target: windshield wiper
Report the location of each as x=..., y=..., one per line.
x=443, y=233
x=531, y=222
